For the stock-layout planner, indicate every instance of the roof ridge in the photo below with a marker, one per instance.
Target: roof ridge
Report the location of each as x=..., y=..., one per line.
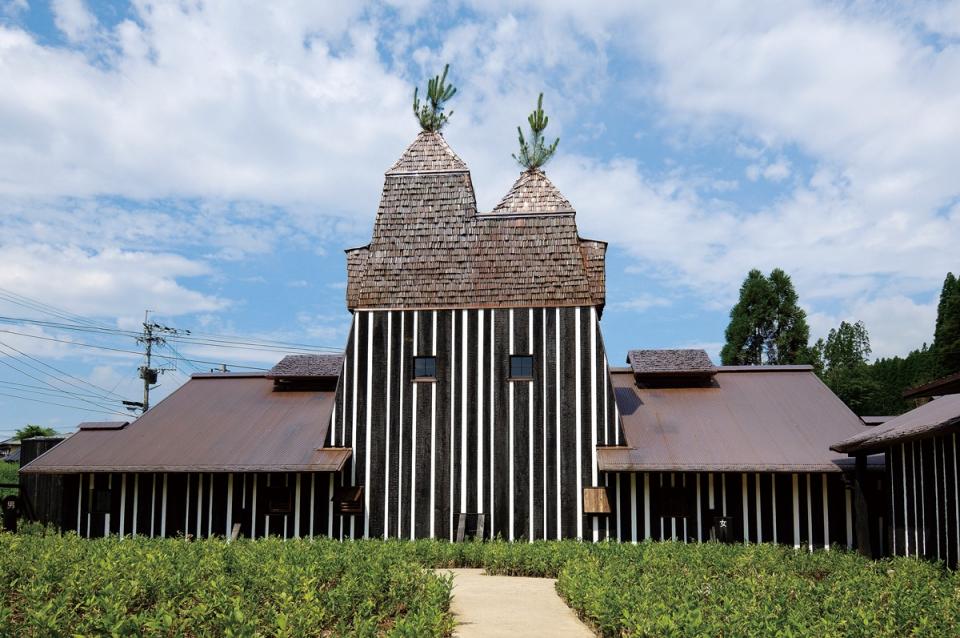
x=428, y=153
x=533, y=192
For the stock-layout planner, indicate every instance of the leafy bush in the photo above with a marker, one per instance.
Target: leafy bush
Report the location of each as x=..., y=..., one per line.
x=8, y=474
x=63, y=585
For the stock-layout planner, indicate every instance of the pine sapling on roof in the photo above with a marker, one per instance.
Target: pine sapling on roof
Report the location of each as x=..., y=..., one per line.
x=430, y=112
x=535, y=154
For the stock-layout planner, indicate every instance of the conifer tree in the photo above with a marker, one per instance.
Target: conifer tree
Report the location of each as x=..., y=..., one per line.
x=767, y=324
x=946, y=336
x=535, y=154
x=430, y=112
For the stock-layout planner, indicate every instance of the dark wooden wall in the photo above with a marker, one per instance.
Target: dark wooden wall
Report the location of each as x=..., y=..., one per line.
x=201, y=505
x=924, y=510
x=809, y=510
x=41, y=495
x=473, y=440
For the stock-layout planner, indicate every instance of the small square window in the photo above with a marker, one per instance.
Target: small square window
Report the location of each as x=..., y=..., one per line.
x=101, y=501
x=279, y=500
x=521, y=366
x=424, y=368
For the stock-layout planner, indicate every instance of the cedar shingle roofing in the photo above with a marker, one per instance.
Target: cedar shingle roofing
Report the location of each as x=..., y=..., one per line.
x=432, y=249
x=307, y=365
x=670, y=362
x=533, y=192
x=429, y=153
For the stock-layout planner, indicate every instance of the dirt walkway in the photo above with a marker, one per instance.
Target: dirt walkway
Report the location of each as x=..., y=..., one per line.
x=510, y=606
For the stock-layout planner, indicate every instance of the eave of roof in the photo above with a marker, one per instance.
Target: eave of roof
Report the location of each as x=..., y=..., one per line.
x=949, y=384
x=929, y=419
x=218, y=423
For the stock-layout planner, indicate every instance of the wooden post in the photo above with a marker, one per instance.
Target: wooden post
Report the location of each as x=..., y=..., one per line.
x=862, y=506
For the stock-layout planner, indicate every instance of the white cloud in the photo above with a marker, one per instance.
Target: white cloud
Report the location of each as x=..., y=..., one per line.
x=109, y=283
x=74, y=19
x=642, y=303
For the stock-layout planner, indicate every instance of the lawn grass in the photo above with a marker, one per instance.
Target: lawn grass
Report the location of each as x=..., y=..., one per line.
x=63, y=585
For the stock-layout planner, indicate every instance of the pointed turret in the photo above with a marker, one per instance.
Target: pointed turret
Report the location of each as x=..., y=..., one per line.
x=429, y=153
x=533, y=192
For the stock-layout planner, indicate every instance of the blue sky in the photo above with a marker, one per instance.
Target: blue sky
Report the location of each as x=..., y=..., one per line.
x=210, y=161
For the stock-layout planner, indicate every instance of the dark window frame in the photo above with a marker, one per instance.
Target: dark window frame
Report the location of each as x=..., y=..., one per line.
x=279, y=499
x=522, y=377
x=101, y=500
x=417, y=377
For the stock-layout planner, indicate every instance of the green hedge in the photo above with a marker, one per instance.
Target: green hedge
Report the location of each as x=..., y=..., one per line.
x=8, y=474
x=63, y=585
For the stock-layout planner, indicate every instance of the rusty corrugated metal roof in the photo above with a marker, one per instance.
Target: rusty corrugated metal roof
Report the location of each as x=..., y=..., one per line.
x=210, y=424
x=775, y=420
x=949, y=384
x=930, y=418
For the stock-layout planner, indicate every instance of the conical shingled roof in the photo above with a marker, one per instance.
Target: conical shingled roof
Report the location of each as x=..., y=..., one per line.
x=533, y=192
x=429, y=153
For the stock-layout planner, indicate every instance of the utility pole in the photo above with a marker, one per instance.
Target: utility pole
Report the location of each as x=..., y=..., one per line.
x=154, y=334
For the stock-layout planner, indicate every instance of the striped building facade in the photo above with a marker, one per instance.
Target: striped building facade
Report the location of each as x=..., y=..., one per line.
x=473, y=440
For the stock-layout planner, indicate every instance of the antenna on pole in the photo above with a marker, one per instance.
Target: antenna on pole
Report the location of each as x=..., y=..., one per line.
x=154, y=334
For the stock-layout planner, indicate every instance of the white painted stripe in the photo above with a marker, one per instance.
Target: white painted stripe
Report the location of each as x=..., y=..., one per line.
x=253, y=508
x=464, y=359
x=530, y=473
x=80, y=501
x=685, y=536
x=413, y=432
x=106, y=515
x=266, y=519
x=773, y=504
x=296, y=507
x=593, y=408
x=796, y=511
x=646, y=506
x=557, y=442
x=123, y=504
x=199, y=502
x=368, y=426
x=433, y=440
x=617, y=510
x=90, y=484
x=210, y=510
x=699, y=512
x=809, y=514
x=163, y=508
x=480, y=403
x=849, y=507
x=402, y=383
x=578, y=383
x=510, y=487
x=756, y=481
x=936, y=497
x=923, y=507
x=890, y=456
x=946, y=499
x=723, y=493
x=453, y=412
x=313, y=489
x=353, y=423
x=826, y=512
x=906, y=513
x=153, y=506
x=330, y=506
x=710, y=498
x=493, y=399
x=229, y=525
x=286, y=483
x=543, y=373
x=746, y=509
x=633, y=506
x=387, y=423
x=673, y=519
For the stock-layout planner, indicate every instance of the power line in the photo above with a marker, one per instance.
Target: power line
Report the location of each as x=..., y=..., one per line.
x=72, y=407
x=41, y=388
x=73, y=395
x=59, y=371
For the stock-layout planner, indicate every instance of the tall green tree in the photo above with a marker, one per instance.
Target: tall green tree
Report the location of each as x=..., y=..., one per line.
x=843, y=364
x=31, y=430
x=946, y=335
x=767, y=324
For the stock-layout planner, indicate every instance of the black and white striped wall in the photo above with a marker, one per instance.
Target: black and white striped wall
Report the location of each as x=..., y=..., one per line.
x=924, y=500
x=474, y=440
x=199, y=504
x=806, y=510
